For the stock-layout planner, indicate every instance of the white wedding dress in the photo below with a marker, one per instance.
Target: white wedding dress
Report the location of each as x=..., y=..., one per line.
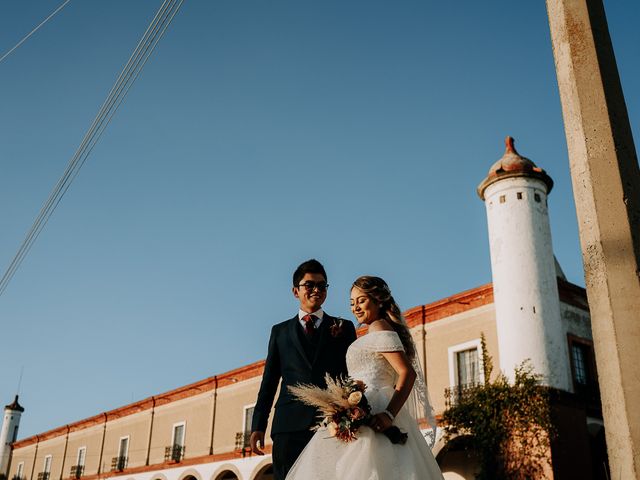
x=371, y=456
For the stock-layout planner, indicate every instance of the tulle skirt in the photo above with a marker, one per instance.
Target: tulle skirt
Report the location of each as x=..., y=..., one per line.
x=371, y=456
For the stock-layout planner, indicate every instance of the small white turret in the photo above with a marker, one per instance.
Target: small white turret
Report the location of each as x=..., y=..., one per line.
x=9, y=434
x=523, y=267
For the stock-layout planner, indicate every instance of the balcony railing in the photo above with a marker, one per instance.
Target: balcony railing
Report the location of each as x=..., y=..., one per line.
x=18, y=477
x=118, y=463
x=243, y=443
x=77, y=471
x=44, y=475
x=243, y=440
x=174, y=453
x=453, y=395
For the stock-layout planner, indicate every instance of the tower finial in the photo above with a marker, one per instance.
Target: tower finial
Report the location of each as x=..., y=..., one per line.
x=20, y=381
x=510, y=144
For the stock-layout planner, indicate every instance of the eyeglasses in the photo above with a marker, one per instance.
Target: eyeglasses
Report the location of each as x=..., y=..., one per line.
x=311, y=286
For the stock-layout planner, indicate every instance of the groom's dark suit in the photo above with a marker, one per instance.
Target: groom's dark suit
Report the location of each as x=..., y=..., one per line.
x=295, y=358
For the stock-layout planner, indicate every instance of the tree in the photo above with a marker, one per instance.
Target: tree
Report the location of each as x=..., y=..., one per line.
x=507, y=425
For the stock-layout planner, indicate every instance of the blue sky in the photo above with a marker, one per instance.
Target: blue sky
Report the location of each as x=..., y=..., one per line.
x=260, y=134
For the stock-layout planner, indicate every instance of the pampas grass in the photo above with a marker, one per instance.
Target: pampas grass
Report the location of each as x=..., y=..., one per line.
x=328, y=401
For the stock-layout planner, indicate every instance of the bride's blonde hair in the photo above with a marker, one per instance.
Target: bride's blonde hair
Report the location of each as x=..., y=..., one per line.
x=378, y=290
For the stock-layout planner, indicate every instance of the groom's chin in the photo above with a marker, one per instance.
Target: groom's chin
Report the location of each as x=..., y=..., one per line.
x=316, y=304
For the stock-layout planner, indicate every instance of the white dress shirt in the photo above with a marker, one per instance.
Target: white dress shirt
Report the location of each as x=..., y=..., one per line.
x=318, y=314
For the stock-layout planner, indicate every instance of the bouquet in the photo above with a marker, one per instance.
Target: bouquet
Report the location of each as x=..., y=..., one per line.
x=343, y=408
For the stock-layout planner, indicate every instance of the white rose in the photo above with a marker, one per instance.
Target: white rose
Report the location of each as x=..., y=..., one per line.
x=354, y=398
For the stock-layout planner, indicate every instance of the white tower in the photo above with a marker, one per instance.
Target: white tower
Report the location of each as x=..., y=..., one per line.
x=9, y=434
x=523, y=266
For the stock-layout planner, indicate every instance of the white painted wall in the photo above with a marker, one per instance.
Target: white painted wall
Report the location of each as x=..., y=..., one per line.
x=524, y=280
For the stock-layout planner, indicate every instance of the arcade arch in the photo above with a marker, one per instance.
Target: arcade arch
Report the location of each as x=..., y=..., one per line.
x=264, y=472
x=227, y=472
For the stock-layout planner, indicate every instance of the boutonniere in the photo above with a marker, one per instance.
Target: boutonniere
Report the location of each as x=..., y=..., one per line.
x=336, y=329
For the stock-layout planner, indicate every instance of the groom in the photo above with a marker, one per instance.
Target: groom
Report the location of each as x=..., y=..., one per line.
x=301, y=350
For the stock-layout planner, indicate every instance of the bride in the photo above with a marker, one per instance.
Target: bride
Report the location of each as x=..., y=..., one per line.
x=385, y=359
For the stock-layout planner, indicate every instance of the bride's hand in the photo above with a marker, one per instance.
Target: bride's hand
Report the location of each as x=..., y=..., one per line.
x=380, y=422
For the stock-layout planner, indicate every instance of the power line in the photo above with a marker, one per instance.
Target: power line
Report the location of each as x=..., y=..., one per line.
x=125, y=80
x=34, y=30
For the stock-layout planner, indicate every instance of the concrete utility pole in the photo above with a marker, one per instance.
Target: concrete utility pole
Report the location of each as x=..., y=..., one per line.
x=606, y=186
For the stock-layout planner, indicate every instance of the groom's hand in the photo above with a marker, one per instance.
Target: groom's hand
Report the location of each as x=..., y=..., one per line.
x=257, y=437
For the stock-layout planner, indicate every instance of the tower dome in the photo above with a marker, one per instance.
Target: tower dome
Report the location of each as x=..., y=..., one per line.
x=512, y=164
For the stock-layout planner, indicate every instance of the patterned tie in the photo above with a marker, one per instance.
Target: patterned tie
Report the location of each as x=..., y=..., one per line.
x=309, y=325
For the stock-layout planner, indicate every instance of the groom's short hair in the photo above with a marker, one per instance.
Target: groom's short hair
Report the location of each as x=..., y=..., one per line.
x=310, y=266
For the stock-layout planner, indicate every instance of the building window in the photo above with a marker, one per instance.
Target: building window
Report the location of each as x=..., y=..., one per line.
x=536, y=197
x=583, y=368
x=20, y=471
x=82, y=453
x=519, y=195
x=467, y=367
x=123, y=449
x=119, y=463
x=465, y=363
x=579, y=364
x=503, y=198
x=77, y=470
x=46, y=469
x=243, y=438
x=175, y=451
x=178, y=434
x=248, y=417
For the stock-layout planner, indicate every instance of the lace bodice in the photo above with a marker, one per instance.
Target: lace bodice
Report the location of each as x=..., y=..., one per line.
x=365, y=361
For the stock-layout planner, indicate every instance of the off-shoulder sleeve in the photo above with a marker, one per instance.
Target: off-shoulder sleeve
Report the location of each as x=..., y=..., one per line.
x=385, y=341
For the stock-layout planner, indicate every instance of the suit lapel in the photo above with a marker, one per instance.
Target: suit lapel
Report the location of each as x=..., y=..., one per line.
x=324, y=335
x=295, y=339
